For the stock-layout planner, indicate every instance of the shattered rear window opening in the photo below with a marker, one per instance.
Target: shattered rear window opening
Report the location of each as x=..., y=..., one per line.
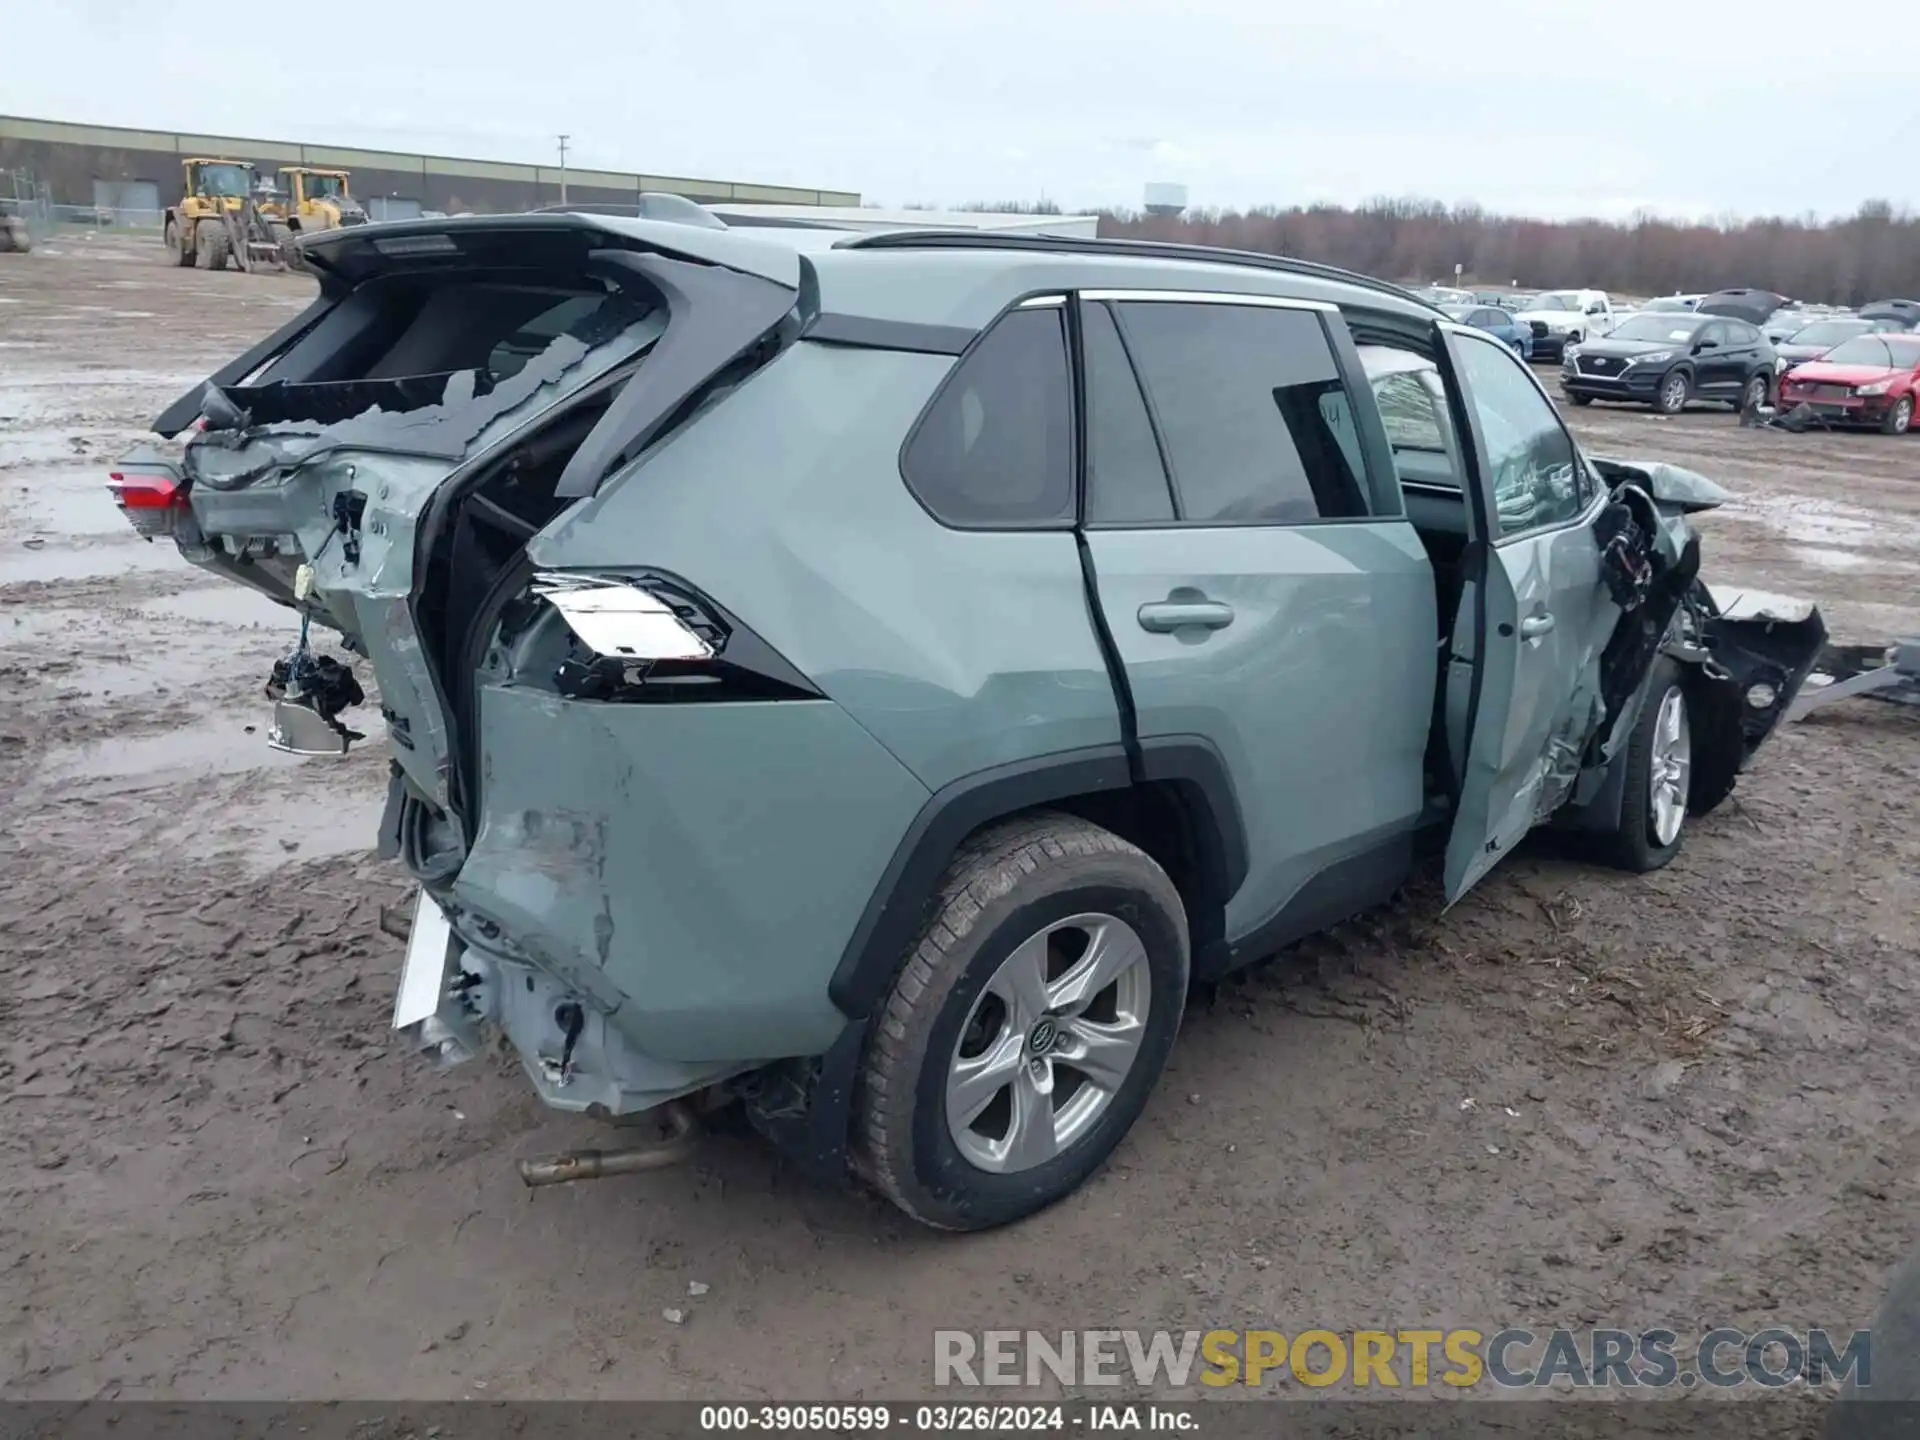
x=440, y=413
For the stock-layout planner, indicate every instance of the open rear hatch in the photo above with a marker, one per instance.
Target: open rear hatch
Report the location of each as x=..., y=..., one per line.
x=379, y=463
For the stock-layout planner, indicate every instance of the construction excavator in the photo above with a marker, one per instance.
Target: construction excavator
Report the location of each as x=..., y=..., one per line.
x=226, y=215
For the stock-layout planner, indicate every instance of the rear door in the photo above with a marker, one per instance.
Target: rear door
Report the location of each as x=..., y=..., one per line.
x=1535, y=617
x=1715, y=365
x=1261, y=590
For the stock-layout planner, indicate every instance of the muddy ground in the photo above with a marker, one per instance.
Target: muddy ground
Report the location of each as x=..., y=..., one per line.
x=1578, y=1098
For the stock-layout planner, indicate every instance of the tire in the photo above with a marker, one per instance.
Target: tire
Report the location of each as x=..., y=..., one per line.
x=1884, y=1410
x=1581, y=399
x=1013, y=893
x=1899, y=419
x=1649, y=834
x=216, y=247
x=1674, y=392
x=183, y=253
x=1753, y=395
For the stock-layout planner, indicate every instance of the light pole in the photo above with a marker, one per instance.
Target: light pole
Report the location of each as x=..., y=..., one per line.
x=563, y=169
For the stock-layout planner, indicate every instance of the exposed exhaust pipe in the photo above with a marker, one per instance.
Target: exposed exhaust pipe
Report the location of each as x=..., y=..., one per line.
x=596, y=1164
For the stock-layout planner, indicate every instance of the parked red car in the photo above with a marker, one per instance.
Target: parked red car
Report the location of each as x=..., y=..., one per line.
x=1868, y=380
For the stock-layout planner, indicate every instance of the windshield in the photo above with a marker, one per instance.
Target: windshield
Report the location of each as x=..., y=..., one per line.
x=1862, y=350
x=1830, y=332
x=1668, y=306
x=222, y=179
x=1457, y=312
x=1664, y=328
x=1556, y=300
x=324, y=186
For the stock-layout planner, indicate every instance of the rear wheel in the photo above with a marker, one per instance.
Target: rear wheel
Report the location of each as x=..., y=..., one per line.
x=1659, y=761
x=181, y=247
x=1028, y=1026
x=1671, y=398
x=1899, y=419
x=1753, y=396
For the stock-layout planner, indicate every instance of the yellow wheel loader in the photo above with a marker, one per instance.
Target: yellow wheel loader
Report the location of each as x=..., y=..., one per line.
x=223, y=216
x=318, y=199
x=313, y=200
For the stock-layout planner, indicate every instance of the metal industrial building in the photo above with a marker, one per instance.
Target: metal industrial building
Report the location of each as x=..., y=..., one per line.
x=133, y=173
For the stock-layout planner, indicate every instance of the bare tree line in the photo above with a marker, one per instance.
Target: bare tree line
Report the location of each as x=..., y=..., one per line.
x=1871, y=255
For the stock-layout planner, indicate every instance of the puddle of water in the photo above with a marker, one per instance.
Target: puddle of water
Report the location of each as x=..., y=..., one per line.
x=200, y=748
x=72, y=500
x=1822, y=558
x=221, y=605
x=56, y=562
x=1813, y=520
x=150, y=671
x=317, y=815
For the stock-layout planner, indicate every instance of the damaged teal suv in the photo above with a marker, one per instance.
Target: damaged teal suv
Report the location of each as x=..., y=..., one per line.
x=872, y=678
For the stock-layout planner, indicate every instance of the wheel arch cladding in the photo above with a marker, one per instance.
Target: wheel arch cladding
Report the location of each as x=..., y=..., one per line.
x=1176, y=803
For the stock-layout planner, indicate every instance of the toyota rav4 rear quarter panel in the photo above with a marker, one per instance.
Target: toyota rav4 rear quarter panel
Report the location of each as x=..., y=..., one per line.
x=695, y=867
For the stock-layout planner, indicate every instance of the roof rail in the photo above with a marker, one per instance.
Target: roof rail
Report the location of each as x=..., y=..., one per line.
x=1145, y=249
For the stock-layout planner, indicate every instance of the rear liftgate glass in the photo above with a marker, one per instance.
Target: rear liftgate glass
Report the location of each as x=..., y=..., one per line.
x=380, y=463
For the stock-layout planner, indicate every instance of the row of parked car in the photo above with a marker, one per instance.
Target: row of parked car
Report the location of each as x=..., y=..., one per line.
x=1743, y=347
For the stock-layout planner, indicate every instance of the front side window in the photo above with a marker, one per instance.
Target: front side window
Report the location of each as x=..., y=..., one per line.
x=1534, y=468
x=995, y=448
x=1237, y=391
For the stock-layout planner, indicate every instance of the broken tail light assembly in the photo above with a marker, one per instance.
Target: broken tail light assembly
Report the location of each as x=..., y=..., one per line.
x=152, y=500
x=647, y=638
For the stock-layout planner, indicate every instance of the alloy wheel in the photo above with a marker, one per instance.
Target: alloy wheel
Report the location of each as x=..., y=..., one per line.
x=1671, y=767
x=1053, y=1036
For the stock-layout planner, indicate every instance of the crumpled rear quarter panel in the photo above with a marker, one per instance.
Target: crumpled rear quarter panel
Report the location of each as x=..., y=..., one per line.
x=707, y=860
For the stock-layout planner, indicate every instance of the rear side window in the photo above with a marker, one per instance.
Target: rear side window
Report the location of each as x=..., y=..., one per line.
x=995, y=449
x=1237, y=392
x=1126, y=483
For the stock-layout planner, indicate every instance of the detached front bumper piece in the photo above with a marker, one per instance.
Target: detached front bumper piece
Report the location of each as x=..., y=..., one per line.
x=1845, y=671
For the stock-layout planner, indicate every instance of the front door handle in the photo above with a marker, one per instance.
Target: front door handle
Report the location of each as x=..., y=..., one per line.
x=1163, y=616
x=1534, y=626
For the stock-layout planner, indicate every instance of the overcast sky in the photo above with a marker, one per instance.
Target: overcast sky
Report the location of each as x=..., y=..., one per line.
x=1546, y=107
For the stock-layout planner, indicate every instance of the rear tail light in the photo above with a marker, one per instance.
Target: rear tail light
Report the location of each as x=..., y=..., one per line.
x=647, y=638
x=622, y=619
x=152, y=501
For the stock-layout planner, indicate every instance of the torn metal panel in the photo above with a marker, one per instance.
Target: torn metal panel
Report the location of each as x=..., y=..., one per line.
x=1687, y=490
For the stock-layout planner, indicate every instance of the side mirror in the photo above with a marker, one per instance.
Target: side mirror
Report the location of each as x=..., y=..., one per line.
x=1700, y=345
x=1596, y=309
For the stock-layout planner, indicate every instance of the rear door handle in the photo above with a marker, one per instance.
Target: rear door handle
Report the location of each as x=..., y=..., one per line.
x=1534, y=626
x=1162, y=616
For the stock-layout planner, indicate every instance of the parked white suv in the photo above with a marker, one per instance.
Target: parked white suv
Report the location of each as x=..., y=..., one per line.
x=1566, y=317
